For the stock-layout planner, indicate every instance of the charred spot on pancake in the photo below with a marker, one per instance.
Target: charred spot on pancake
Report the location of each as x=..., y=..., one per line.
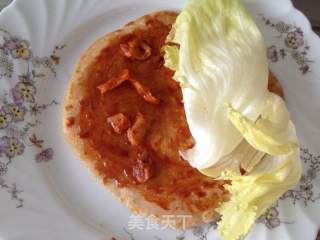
x=68, y=107
x=84, y=133
x=70, y=121
x=144, y=168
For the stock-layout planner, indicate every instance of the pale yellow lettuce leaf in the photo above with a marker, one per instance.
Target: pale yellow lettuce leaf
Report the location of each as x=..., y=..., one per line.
x=252, y=194
x=221, y=58
x=272, y=133
x=244, y=156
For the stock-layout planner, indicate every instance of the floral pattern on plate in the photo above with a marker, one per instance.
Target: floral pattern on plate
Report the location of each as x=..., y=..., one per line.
x=294, y=45
x=19, y=108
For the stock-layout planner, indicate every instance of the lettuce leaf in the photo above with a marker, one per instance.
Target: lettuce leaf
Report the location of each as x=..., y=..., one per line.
x=280, y=170
x=221, y=58
x=252, y=194
x=272, y=133
x=244, y=156
x=266, y=179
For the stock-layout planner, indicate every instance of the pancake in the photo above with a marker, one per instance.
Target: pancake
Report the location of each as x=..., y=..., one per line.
x=125, y=119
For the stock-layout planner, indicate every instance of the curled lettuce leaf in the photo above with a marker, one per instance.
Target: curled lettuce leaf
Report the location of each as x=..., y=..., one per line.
x=266, y=178
x=243, y=157
x=272, y=133
x=221, y=58
x=252, y=194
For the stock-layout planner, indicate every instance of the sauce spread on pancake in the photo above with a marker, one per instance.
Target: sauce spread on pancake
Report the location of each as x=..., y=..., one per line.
x=133, y=124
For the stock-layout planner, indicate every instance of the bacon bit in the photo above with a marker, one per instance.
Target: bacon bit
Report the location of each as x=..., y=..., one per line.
x=144, y=92
x=136, y=49
x=136, y=133
x=114, y=82
x=144, y=168
x=119, y=122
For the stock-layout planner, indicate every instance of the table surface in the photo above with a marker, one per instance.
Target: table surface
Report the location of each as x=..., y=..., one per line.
x=311, y=8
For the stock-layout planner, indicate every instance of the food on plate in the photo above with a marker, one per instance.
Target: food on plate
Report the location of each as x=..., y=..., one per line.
x=177, y=114
x=124, y=116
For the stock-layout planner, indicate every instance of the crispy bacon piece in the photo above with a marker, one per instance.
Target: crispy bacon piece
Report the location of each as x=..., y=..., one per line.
x=144, y=169
x=138, y=130
x=144, y=92
x=114, y=82
x=119, y=122
x=136, y=49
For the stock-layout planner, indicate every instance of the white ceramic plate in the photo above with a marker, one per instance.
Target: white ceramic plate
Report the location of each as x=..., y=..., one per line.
x=45, y=193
